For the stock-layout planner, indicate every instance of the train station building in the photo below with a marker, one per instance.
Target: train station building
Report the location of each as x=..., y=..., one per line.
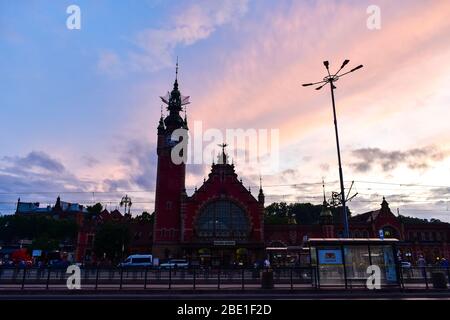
x=223, y=223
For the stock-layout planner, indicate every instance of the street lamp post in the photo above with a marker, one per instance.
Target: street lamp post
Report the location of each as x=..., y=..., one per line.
x=126, y=201
x=331, y=79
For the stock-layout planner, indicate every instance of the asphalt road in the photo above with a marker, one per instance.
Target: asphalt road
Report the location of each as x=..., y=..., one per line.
x=342, y=295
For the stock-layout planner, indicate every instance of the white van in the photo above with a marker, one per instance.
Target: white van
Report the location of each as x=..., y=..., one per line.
x=138, y=260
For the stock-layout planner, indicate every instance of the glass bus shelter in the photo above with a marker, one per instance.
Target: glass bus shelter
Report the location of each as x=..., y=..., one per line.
x=345, y=262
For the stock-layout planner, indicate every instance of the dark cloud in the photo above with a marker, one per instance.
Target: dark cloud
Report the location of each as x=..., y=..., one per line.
x=116, y=184
x=35, y=159
x=416, y=159
x=90, y=161
x=440, y=192
x=140, y=157
x=36, y=177
x=36, y=171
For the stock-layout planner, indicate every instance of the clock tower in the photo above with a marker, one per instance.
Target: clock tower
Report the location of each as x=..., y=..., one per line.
x=170, y=178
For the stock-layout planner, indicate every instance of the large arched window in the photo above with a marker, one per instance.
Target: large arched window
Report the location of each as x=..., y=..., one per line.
x=222, y=219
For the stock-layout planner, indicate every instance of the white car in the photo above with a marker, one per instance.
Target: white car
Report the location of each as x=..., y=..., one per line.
x=175, y=263
x=138, y=260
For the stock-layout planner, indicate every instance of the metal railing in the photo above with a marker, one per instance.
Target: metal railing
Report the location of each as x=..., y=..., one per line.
x=99, y=278
x=423, y=277
x=195, y=278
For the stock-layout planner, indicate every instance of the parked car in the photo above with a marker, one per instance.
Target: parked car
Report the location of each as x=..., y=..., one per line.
x=137, y=260
x=175, y=263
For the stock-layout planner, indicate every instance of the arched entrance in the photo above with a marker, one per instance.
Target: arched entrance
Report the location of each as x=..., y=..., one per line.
x=225, y=226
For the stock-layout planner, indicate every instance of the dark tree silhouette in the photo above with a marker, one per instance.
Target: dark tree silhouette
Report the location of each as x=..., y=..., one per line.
x=112, y=241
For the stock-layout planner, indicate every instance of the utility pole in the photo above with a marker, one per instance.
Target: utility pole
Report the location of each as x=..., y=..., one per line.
x=331, y=79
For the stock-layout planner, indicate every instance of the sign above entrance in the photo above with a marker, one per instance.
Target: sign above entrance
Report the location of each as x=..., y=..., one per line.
x=224, y=243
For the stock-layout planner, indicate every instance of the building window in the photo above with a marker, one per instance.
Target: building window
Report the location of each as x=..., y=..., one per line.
x=222, y=219
x=365, y=234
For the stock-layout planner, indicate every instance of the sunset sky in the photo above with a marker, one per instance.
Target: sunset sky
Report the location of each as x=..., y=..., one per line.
x=79, y=108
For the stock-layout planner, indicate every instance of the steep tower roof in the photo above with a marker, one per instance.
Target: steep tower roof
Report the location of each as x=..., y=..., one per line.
x=175, y=101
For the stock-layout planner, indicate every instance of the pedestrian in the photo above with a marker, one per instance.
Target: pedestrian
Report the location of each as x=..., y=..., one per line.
x=421, y=263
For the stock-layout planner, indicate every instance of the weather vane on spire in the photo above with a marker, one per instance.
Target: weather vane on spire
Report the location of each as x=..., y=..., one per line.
x=223, y=146
x=224, y=157
x=181, y=100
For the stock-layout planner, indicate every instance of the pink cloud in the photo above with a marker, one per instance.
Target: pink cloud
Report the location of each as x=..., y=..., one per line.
x=261, y=80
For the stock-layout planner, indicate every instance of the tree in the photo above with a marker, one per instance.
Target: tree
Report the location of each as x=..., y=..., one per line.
x=414, y=220
x=33, y=227
x=277, y=209
x=95, y=210
x=146, y=217
x=304, y=213
x=45, y=243
x=112, y=240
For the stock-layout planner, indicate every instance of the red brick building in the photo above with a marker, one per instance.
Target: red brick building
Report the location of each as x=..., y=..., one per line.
x=429, y=239
x=223, y=222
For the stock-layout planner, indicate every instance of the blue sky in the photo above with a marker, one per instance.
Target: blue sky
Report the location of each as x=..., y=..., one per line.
x=79, y=108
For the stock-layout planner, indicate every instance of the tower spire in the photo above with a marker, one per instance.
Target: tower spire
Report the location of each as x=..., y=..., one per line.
x=326, y=216
x=323, y=188
x=176, y=71
x=261, y=193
